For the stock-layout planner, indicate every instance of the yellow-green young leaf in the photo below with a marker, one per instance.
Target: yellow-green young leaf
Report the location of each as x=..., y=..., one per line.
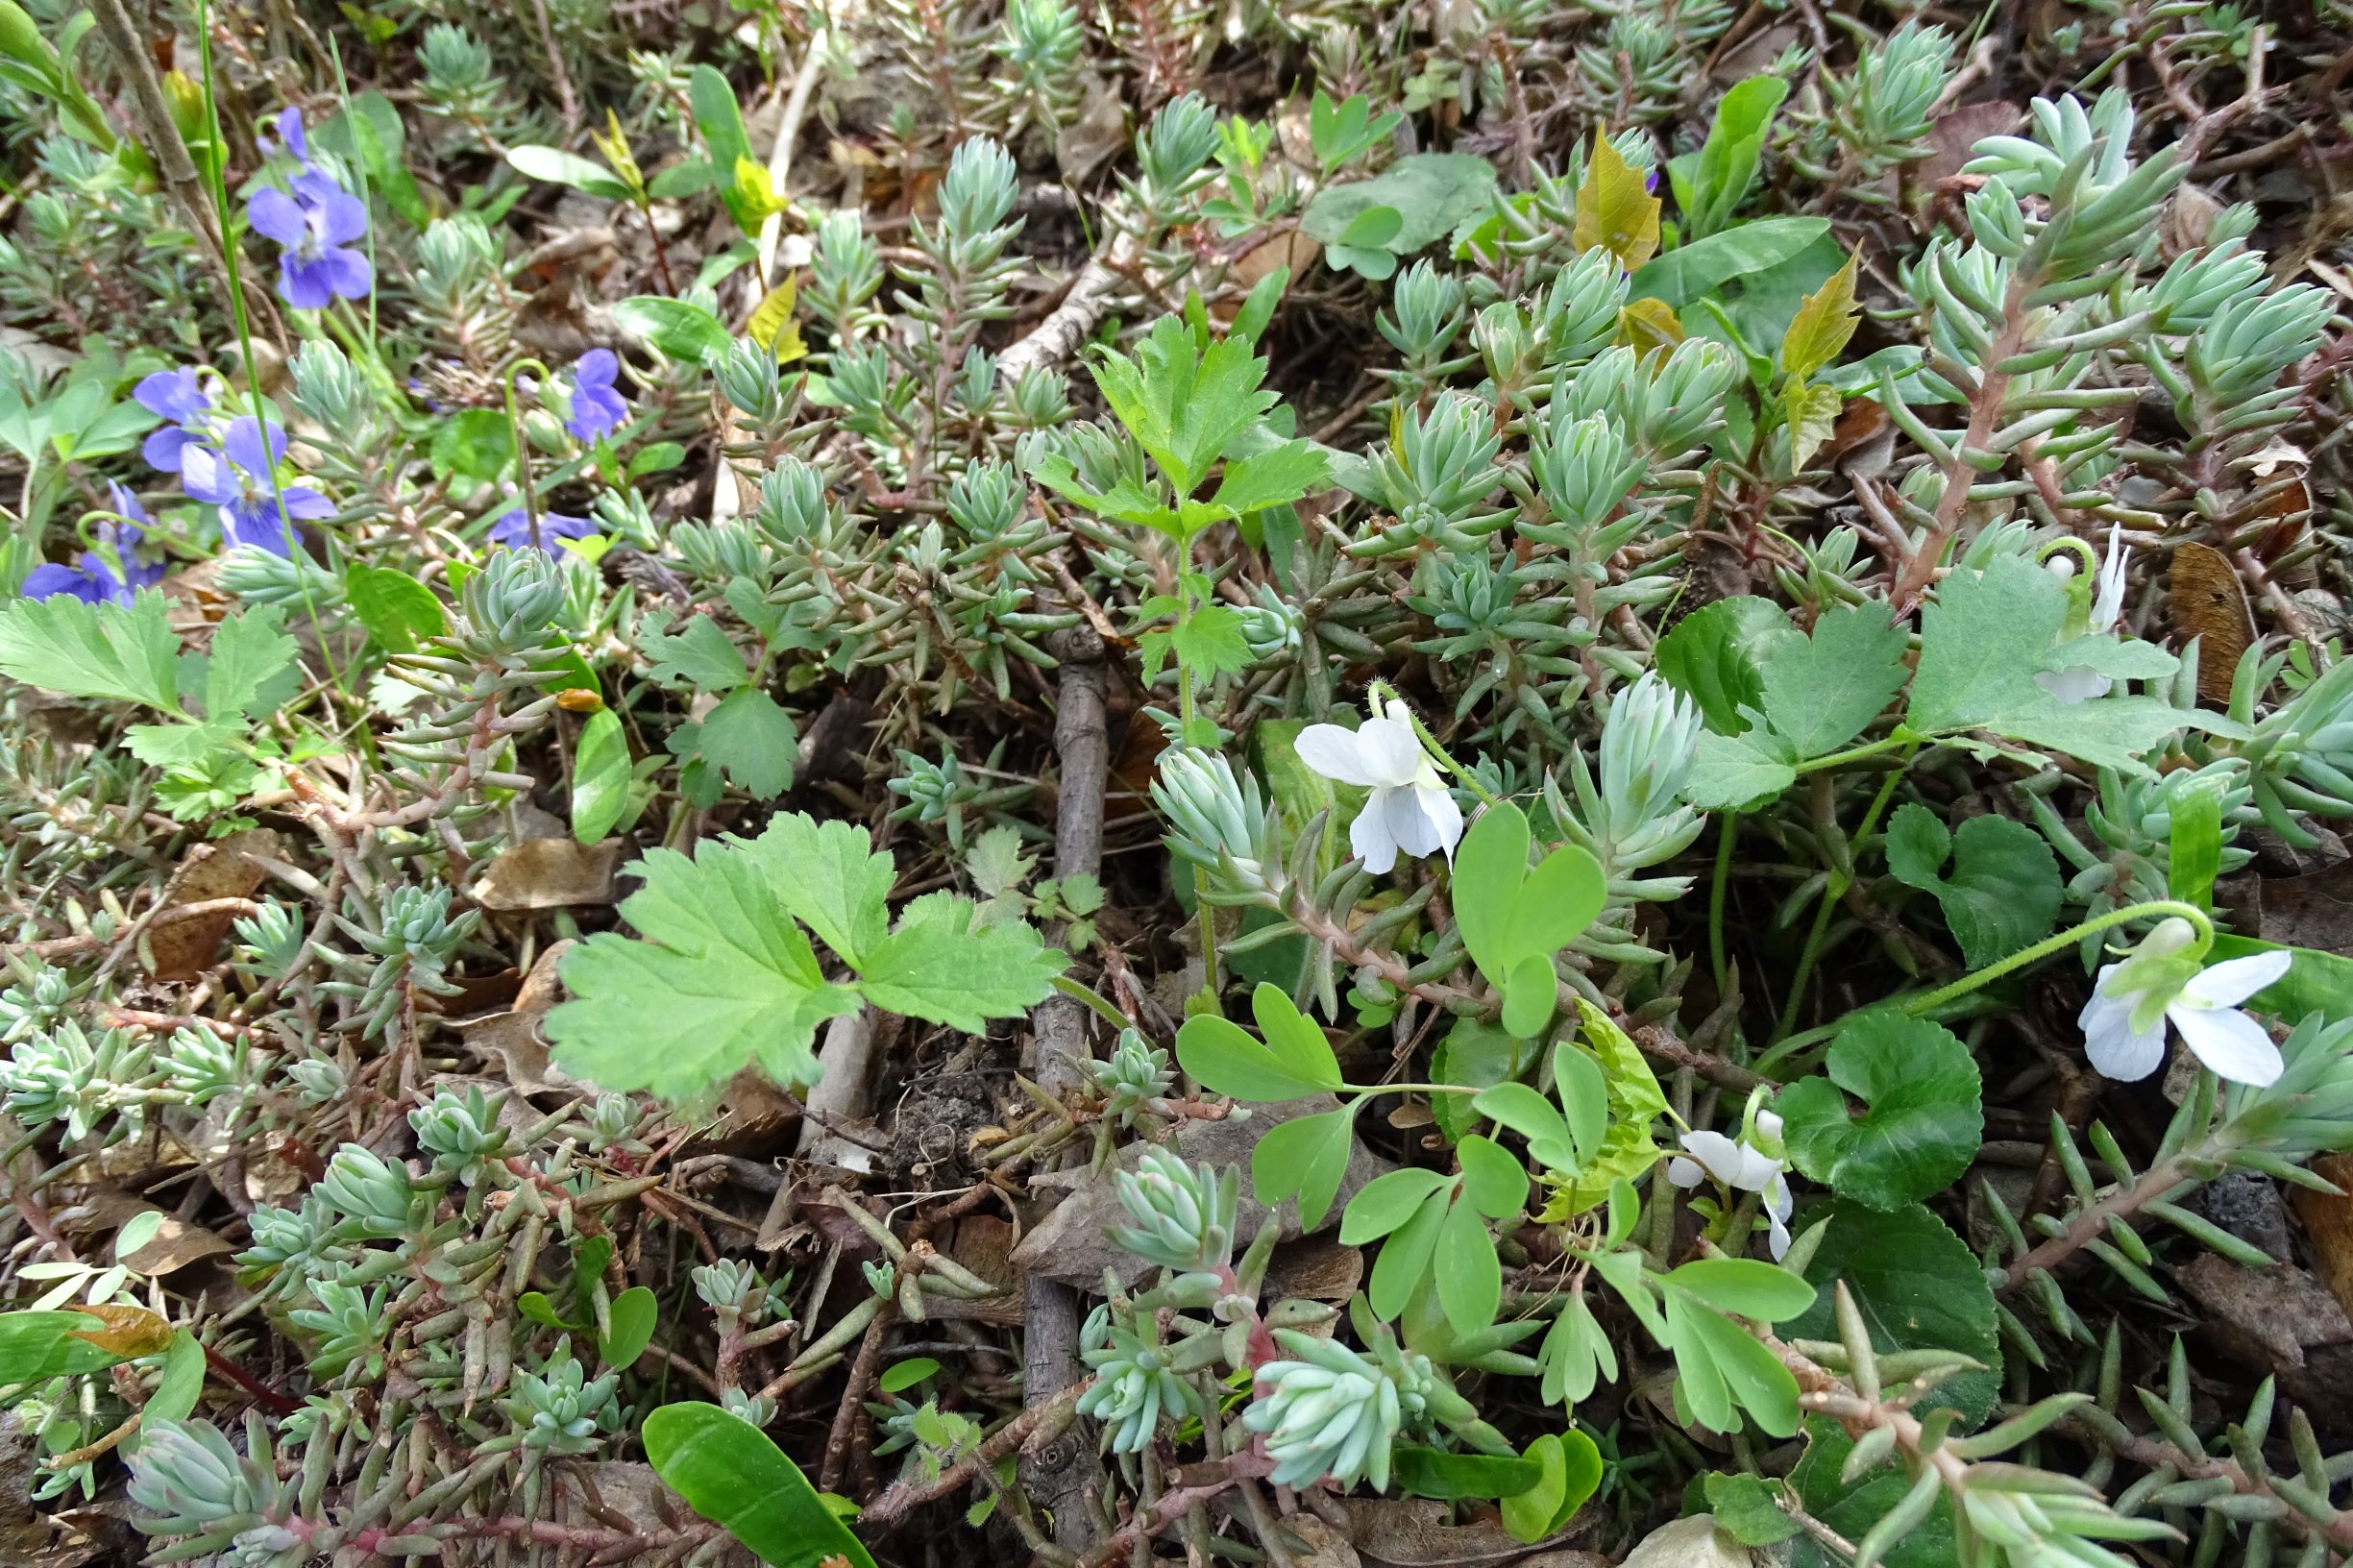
x=753, y=190
x=1823, y=324
x=1812, y=414
x=1614, y=212
x=1643, y=324
x=772, y=326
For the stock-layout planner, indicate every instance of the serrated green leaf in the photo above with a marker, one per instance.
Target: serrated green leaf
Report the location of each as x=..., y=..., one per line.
x=1921, y=1123
x=1821, y=691
x=697, y=656
x=63, y=643
x=1431, y=193
x=1732, y=771
x=721, y=980
x=1851, y=1508
x=2005, y=890
x=1970, y=675
x=1477, y=1055
x=1823, y=325
x=475, y=444
x=751, y=738
x=831, y=877
x=1267, y=479
x=936, y=965
x=248, y=655
x=1716, y=656
x=1745, y=1510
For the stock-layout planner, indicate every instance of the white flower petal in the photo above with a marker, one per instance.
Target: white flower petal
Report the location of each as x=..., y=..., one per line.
x=1685, y=1172
x=1769, y=1123
x=1389, y=750
x=1757, y=1171
x=2113, y=567
x=1445, y=817
x=1776, y=1235
x=2114, y=1048
x=2234, y=980
x=2076, y=683
x=1412, y=829
x=1369, y=836
x=2230, y=1043
x=1718, y=1155
x=1333, y=752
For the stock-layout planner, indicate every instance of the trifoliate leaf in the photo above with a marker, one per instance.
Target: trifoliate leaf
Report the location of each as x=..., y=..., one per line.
x=1822, y=326
x=1920, y=1121
x=723, y=980
x=1615, y=209
x=63, y=643
x=2005, y=890
x=940, y=967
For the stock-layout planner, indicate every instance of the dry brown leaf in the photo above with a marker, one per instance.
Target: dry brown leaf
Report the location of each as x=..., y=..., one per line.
x=128, y=1331
x=512, y=1038
x=549, y=873
x=2210, y=604
x=2328, y=1224
x=183, y=949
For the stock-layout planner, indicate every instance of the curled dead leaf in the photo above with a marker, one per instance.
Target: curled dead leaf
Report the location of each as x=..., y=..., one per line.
x=128, y=1332
x=2209, y=603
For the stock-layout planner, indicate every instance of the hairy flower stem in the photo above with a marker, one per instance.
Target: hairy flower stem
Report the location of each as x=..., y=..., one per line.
x=2155, y=909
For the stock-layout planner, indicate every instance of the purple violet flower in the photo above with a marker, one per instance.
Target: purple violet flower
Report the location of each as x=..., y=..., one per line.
x=288, y=124
x=513, y=529
x=316, y=225
x=236, y=480
x=178, y=397
x=596, y=407
x=94, y=578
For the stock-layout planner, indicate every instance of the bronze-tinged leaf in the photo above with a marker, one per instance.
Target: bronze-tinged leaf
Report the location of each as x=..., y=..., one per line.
x=1615, y=209
x=129, y=1330
x=2210, y=604
x=1645, y=325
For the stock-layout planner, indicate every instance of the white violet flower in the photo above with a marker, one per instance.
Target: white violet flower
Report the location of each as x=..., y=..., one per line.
x=2124, y=1023
x=1741, y=1165
x=1410, y=808
x=2080, y=682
